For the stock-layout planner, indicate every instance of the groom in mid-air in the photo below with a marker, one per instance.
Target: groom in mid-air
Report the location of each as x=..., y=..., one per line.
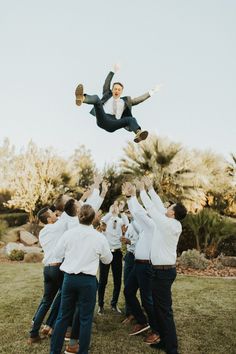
x=112, y=111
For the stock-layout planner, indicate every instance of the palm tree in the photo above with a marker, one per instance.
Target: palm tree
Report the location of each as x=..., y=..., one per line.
x=176, y=173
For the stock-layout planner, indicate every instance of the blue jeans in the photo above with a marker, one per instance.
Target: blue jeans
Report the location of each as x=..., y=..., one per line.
x=53, y=278
x=81, y=289
x=162, y=300
x=109, y=122
x=116, y=267
x=128, y=266
x=141, y=278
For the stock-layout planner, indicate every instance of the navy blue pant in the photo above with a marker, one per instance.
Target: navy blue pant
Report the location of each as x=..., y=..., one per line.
x=162, y=301
x=116, y=267
x=54, y=310
x=81, y=289
x=53, y=279
x=109, y=122
x=141, y=278
x=128, y=266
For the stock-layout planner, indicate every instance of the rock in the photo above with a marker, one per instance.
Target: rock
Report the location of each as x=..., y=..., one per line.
x=228, y=261
x=33, y=257
x=2, y=244
x=13, y=246
x=27, y=238
x=32, y=249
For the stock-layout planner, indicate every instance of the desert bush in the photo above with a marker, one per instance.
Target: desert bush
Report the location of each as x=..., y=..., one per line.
x=227, y=246
x=16, y=255
x=3, y=227
x=193, y=259
x=209, y=229
x=33, y=257
x=186, y=240
x=14, y=219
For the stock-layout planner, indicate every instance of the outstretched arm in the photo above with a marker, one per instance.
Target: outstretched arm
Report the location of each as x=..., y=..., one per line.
x=107, y=83
x=145, y=96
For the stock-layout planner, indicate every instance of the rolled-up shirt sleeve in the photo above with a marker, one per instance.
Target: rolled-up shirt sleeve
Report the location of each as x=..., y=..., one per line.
x=105, y=255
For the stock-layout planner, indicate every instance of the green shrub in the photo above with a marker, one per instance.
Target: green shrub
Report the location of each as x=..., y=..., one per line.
x=193, y=259
x=14, y=219
x=209, y=229
x=16, y=255
x=227, y=246
x=3, y=227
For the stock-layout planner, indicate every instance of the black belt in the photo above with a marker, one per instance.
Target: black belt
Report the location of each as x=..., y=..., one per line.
x=116, y=250
x=53, y=265
x=163, y=267
x=142, y=261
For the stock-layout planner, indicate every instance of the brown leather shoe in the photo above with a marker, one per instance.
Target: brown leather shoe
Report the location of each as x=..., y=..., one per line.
x=140, y=135
x=71, y=349
x=128, y=320
x=79, y=94
x=139, y=328
x=152, y=338
x=67, y=335
x=46, y=330
x=34, y=340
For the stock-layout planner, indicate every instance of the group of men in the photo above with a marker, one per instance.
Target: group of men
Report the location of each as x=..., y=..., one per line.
x=77, y=241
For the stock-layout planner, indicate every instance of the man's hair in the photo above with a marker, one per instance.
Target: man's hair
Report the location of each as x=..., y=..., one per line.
x=86, y=214
x=118, y=83
x=70, y=207
x=180, y=211
x=43, y=215
x=59, y=203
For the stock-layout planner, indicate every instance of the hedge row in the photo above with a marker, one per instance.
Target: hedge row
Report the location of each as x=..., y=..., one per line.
x=14, y=219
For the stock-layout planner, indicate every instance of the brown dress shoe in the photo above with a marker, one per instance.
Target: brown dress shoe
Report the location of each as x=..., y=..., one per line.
x=71, y=349
x=79, y=94
x=139, y=328
x=140, y=135
x=34, y=340
x=152, y=338
x=46, y=330
x=128, y=320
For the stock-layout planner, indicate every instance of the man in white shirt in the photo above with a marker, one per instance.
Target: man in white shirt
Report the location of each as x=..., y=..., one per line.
x=67, y=208
x=163, y=257
x=81, y=247
x=114, y=112
x=141, y=275
x=113, y=234
x=53, y=277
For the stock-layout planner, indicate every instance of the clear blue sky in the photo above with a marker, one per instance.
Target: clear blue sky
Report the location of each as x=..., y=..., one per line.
x=49, y=46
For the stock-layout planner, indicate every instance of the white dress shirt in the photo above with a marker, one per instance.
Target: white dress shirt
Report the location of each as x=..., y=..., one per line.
x=166, y=235
x=82, y=247
x=48, y=239
x=113, y=231
x=109, y=107
x=132, y=234
x=95, y=200
x=147, y=226
x=69, y=221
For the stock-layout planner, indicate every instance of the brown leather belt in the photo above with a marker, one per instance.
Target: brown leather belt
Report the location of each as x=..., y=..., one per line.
x=54, y=264
x=163, y=267
x=143, y=261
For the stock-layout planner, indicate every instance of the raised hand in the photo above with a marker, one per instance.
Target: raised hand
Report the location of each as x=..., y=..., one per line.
x=97, y=179
x=105, y=186
x=116, y=67
x=139, y=184
x=147, y=181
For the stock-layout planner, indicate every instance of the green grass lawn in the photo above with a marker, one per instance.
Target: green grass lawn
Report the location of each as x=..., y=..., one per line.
x=204, y=313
